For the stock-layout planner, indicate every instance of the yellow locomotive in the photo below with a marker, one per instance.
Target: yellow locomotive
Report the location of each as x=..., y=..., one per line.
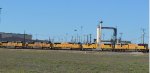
x=66, y=46
x=38, y=45
x=46, y=45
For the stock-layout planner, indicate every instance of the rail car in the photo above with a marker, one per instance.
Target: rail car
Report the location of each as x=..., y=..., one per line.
x=3, y=44
x=66, y=46
x=77, y=46
x=106, y=47
x=89, y=46
x=11, y=44
x=38, y=45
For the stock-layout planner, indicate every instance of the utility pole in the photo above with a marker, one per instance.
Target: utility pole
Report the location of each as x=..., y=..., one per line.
x=75, y=36
x=87, y=38
x=66, y=37
x=81, y=34
x=143, y=35
x=49, y=39
x=36, y=37
x=53, y=40
x=72, y=39
x=121, y=36
x=79, y=39
x=84, y=37
x=24, y=42
x=90, y=38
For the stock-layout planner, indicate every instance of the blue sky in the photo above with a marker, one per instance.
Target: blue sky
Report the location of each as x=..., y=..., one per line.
x=56, y=18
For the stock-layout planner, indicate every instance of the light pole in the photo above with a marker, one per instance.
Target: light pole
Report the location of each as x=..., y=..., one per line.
x=90, y=38
x=72, y=39
x=36, y=37
x=143, y=35
x=84, y=37
x=49, y=40
x=75, y=35
x=24, y=41
x=121, y=35
x=81, y=33
x=66, y=37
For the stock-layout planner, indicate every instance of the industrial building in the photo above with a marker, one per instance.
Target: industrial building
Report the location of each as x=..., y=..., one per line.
x=14, y=37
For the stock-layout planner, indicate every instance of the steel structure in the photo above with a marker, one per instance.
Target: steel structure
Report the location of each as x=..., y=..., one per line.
x=114, y=40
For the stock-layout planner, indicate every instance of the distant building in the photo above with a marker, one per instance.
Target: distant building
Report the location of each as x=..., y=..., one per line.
x=14, y=37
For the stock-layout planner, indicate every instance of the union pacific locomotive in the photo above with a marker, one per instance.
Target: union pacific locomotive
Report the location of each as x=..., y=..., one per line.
x=75, y=46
